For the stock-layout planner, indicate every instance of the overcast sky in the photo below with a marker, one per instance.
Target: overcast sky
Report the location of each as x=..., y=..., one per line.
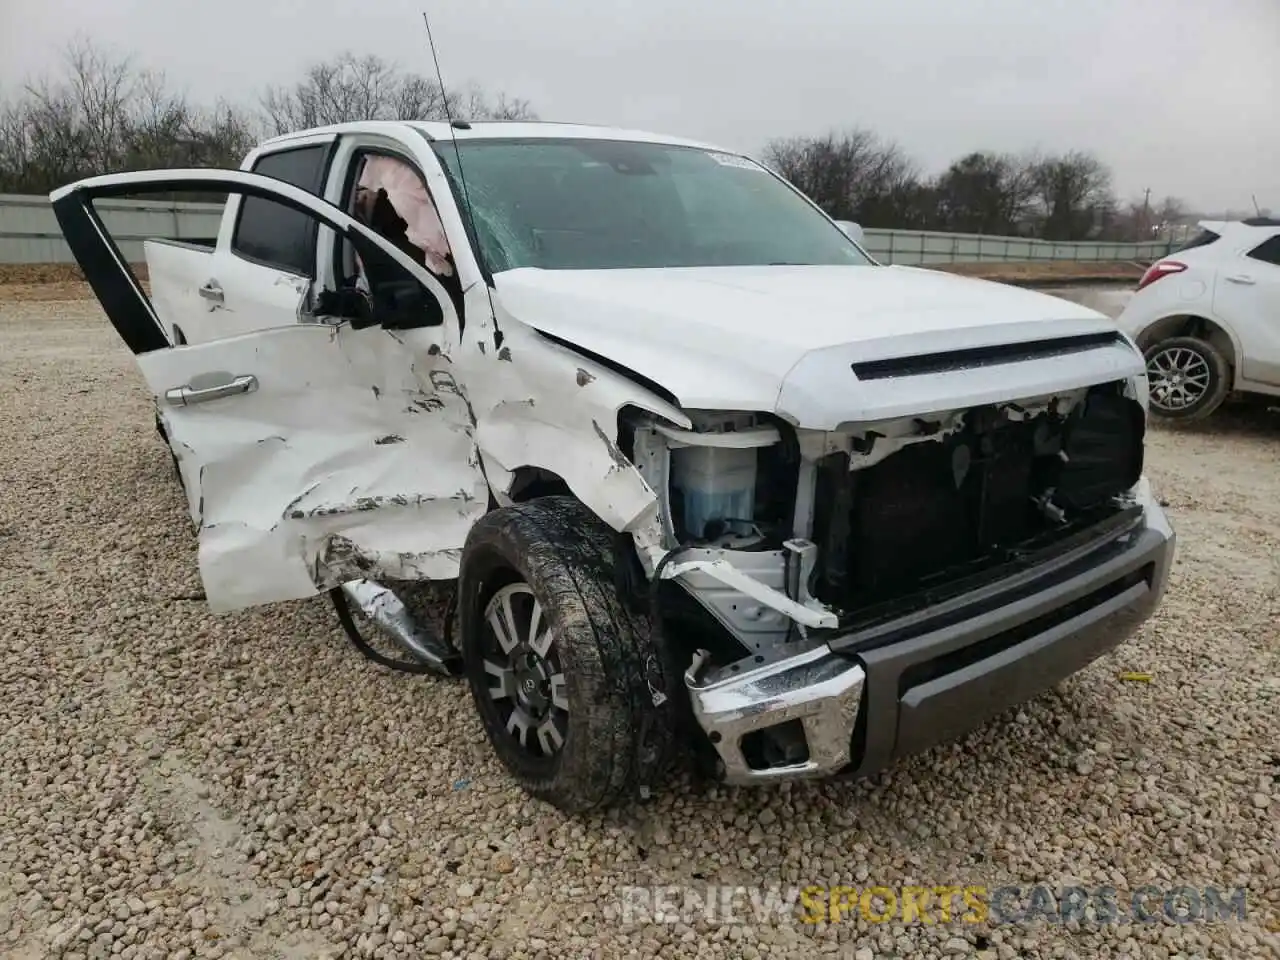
x=1182, y=96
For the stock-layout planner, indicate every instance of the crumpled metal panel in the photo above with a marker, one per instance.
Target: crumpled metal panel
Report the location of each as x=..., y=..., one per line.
x=351, y=459
x=538, y=404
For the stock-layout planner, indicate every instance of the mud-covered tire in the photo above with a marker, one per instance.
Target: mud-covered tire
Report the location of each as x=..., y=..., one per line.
x=1200, y=355
x=620, y=707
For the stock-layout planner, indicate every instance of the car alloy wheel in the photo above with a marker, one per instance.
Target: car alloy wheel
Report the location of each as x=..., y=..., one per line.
x=557, y=662
x=522, y=665
x=1179, y=378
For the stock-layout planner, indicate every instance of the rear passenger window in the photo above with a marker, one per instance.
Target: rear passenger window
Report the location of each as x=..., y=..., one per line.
x=272, y=233
x=1201, y=239
x=1268, y=251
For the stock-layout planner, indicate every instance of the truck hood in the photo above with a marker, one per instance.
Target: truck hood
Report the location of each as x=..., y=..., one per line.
x=772, y=338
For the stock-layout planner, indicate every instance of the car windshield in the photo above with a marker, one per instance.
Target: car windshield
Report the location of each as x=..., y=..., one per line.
x=580, y=204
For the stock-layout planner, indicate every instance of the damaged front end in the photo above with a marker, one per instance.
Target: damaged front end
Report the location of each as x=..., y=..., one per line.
x=790, y=554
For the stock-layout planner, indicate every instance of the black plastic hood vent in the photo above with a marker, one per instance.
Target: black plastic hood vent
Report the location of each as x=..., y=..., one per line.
x=971, y=357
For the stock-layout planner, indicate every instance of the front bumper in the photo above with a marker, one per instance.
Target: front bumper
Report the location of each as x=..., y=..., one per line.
x=866, y=698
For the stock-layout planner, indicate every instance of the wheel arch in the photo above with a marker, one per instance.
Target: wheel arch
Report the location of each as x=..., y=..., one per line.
x=529, y=482
x=1196, y=325
x=559, y=422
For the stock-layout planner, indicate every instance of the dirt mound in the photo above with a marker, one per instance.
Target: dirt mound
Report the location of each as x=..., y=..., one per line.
x=1048, y=273
x=48, y=281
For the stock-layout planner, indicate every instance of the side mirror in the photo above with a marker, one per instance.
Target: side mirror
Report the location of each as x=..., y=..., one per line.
x=346, y=304
x=399, y=302
x=851, y=230
x=405, y=305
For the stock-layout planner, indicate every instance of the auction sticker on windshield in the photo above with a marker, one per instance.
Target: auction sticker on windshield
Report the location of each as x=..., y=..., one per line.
x=732, y=160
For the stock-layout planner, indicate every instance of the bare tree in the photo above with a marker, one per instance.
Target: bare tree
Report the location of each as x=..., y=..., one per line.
x=101, y=87
x=369, y=88
x=1140, y=219
x=856, y=175
x=472, y=103
x=347, y=88
x=57, y=130
x=983, y=193
x=159, y=120
x=418, y=98
x=15, y=143
x=100, y=113
x=58, y=144
x=1072, y=193
x=853, y=176
x=1171, y=210
x=220, y=136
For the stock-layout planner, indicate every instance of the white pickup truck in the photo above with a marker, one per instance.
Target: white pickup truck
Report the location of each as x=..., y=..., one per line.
x=711, y=482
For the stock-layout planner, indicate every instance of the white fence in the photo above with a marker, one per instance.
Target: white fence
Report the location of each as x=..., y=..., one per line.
x=29, y=234
x=925, y=247
x=29, y=231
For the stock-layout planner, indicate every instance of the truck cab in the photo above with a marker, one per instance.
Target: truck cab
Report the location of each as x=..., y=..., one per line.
x=268, y=259
x=707, y=481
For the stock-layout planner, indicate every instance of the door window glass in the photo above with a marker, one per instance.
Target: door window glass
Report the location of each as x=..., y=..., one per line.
x=272, y=233
x=1268, y=251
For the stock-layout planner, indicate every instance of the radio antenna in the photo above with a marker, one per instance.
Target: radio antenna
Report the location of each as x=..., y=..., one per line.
x=462, y=176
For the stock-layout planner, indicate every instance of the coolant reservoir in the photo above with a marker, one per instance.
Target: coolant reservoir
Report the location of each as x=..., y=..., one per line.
x=713, y=467
x=717, y=483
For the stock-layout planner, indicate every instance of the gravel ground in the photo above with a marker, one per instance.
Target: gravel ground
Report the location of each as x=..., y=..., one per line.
x=174, y=784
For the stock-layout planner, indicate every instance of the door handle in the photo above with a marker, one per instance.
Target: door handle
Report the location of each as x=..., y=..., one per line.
x=1240, y=278
x=184, y=396
x=211, y=292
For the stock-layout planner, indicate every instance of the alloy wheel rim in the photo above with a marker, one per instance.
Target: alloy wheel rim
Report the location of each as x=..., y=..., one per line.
x=522, y=666
x=1179, y=378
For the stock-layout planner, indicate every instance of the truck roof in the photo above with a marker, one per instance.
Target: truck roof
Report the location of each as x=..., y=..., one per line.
x=496, y=129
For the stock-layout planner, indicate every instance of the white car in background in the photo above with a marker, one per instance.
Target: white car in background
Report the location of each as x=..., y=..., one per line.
x=1207, y=318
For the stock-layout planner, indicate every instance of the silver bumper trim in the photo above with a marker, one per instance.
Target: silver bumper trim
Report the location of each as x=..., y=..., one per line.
x=381, y=605
x=817, y=687
x=824, y=689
